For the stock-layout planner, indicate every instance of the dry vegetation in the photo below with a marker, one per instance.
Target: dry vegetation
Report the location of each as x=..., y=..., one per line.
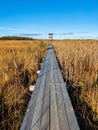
x=79, y=63
x=19, y=61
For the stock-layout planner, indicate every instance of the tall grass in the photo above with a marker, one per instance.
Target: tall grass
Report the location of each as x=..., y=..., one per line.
x=79, y=63
x=19, y=61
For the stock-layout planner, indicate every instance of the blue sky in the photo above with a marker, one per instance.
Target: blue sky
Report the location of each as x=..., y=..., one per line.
x=65, y=18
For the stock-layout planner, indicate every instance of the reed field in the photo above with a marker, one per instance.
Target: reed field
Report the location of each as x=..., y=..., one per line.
x=79, y=64
x=19, y=61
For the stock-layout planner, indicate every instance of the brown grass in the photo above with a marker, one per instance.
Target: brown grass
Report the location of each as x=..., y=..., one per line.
x=79, y=63
x=19, y=61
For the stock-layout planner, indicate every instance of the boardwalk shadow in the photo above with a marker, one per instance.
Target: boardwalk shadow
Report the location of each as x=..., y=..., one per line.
x=83, y=111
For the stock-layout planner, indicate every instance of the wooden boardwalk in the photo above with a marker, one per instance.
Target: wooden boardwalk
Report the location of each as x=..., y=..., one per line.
x=50, y=107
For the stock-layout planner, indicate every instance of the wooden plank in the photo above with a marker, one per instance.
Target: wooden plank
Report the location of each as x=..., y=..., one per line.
x=54, y=120
x=38, y=108
x=45, y=108
x=73, y=124
x=50, y=107
x=31, y=106
x=60, y=103
x=70, y=115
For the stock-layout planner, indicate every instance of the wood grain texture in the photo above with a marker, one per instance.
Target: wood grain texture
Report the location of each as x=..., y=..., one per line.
x=50, y=107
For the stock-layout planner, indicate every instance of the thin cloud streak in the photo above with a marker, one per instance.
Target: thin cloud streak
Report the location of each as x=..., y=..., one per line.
x=64, y=33
x=31, y=34
x=9, y=29
x=83, y=32
x=67, y=33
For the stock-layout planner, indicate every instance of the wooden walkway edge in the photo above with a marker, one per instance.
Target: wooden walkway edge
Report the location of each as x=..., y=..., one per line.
x=50, y=107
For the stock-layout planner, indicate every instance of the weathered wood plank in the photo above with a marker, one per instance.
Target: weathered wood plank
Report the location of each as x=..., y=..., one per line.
x=64, y=125
x=45, y=108
x=54, y=120
x=38, y=108
x=73, y=124
x=31, y=107
x=50, y=107
x=32, y=104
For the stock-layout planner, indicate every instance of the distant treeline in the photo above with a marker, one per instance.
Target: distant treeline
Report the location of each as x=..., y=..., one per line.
x=15, y=38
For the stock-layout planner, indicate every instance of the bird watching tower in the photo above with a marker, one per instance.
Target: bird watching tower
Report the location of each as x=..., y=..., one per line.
x=50, y=37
